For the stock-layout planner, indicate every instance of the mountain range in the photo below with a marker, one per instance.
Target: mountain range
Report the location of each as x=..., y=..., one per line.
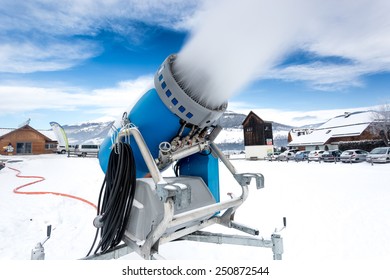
x=231, y=138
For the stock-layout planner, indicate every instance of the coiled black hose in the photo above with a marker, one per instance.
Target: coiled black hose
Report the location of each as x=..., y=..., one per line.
x=114, y=206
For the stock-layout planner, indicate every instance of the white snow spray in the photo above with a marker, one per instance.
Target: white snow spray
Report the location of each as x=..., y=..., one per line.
x=235, y=42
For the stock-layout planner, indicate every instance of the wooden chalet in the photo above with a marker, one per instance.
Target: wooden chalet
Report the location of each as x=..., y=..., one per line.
x=258, y=138
x=27, y=140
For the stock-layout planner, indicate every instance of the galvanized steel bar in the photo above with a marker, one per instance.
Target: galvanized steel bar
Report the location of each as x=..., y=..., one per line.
x=223, y=158
x=147, y=156
x=205, y=211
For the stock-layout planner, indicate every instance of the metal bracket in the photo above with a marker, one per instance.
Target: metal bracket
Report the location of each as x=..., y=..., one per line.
x=244, y=179
x=38, y=253
x=244, y=228
x=181, y=194
x=276, y=242
x=277, y=246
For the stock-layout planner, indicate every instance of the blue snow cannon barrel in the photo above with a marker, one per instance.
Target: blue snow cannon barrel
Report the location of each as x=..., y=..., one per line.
x=159, y=114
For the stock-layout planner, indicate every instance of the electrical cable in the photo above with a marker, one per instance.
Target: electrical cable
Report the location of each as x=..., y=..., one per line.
x=176, y=168
x=115, y=199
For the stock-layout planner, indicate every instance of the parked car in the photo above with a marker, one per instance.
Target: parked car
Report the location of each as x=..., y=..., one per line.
x=272, y=156
x=315, y=155
x=355, y=155
x=62, y=149
x=379, y=155
x=86, y=149
x=331, y=156
x=286, y=155
x=301, y=155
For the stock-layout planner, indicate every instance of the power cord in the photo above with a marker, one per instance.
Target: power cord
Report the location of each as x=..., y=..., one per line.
x=114, y=206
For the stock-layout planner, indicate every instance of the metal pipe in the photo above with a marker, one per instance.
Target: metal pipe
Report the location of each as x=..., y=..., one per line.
x=189, y=151
x=162, y=226
x=147, y=156
x=212, y=209
x=205, y=211
x=222, y=157
x=220, y=238
x=188, y=230
x=146, y=250
x=115, y=253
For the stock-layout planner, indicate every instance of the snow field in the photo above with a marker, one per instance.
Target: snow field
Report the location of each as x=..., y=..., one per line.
x=334, y=211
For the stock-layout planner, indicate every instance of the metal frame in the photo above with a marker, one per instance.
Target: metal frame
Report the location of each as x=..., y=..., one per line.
x=149, y=248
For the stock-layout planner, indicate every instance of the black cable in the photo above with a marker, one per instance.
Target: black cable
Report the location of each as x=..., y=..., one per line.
x=176, y=168
x=114, y=206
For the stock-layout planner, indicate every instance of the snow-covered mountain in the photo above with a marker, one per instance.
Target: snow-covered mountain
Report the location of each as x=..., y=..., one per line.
x=87, y=133
x=231, y=138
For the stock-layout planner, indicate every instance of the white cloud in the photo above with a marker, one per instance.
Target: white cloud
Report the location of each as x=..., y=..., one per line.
x=25, y=57
x=45, y=35
x=74, y=17
x=323, y=76
x=357, y=32
x=107, y=101
x=39, y=35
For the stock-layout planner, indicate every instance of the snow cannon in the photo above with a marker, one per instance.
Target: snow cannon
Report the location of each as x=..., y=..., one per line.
x=139, y=209
x=172, y=123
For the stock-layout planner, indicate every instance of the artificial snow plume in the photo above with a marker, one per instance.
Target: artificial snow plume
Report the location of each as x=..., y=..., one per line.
x=229, y=45
x=235, y=42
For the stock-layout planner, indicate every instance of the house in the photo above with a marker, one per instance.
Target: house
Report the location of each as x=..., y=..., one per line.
x=258, y=139
x=297, y=132
x=27, y=140
x=356, y=126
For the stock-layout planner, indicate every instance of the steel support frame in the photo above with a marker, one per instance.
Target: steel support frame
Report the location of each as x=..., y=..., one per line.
x=149, y=248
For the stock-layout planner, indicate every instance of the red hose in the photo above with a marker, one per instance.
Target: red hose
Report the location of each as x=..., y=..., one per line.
x=40, y=179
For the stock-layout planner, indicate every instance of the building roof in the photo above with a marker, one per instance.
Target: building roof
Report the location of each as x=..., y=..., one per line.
x=348, y=124
x=254, y=116
x=4, y=131
x=47, y=133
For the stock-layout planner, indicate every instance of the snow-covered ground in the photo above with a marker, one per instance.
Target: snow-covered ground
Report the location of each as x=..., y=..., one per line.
x=335, y=212
x=230, y=135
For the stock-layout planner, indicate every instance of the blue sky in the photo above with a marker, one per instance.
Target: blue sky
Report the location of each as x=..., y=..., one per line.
x=78, y=61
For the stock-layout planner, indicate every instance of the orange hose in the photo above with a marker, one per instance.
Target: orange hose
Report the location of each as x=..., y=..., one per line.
x=40, y=179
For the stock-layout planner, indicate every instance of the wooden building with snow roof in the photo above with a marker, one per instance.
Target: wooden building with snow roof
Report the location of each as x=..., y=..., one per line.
x=356, y=126
x=27, y=140
x=258, y=138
